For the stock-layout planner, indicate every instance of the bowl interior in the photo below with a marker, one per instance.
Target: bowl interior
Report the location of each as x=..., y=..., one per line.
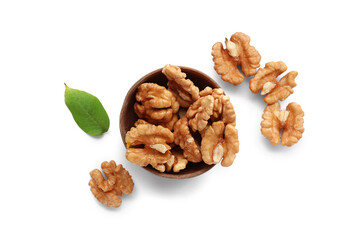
x=128, y=116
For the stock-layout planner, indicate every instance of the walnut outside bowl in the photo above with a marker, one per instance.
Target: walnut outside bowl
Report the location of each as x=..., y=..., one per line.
x=128, y=116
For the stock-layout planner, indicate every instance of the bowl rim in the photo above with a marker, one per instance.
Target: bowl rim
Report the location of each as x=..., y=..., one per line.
x=170, y=175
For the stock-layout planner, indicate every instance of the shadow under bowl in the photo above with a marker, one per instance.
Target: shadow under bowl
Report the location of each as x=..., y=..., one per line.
x=128, y=116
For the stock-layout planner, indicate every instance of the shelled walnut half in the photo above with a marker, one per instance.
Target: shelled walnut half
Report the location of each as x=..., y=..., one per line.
x=238, y=52
x=291, y=121
x=183, y=89
x=155, y=103
x=200, y=112
x=155, y=139
x=265, y=80
x=179, y=162
x=185, y=140
x=220, y=142
x=223, y=108
x=118, y=183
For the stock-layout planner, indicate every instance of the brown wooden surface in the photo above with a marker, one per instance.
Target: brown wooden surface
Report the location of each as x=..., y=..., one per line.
x=128, y=116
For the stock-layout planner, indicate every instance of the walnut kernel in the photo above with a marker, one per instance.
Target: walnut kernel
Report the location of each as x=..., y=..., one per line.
x=199, y=113
x=157, y=104
x=247, y=56
x=238, y=52
x=268, y=74
x=179, y=162
x=119, y=182
x=156, y=140
x=282, y=89
x=226, y=65
x=183, y=89
x=183, y=138
x=220, y=142
x=265, y=80
x=290, y=121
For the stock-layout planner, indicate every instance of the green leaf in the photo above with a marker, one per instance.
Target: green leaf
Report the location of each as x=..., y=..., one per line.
x=87, y=111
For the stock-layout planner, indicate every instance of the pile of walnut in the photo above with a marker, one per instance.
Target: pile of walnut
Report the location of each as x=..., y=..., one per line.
x=239, y=52
x=118, y=182
x=163, y=137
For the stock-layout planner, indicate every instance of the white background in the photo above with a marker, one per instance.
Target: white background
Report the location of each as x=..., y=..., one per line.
x=308, y=191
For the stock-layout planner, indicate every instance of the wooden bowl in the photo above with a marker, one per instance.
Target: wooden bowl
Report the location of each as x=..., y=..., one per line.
x=128, y=116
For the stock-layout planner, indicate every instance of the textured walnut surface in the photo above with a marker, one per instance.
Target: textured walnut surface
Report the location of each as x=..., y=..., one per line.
x=185, y=140
x=155, y=139
x=154, y=95
x=183, y=89
x=265, y=80
x=267, y=74
x=118, y=183
x=148, y=134
x=217, y=94
x=211, y=144
x=231, y=145
x=155, y=103
x=247, y=56
x=223, y=108
x=200, y=112
x=144, y=157
x=179, y=162
x=225, y=65
x=290, y=121
x=282, y=89
x=220, y=142
x=238, y=52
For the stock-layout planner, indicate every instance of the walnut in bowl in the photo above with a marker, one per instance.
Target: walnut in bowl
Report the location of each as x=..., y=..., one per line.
x=154, y=111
